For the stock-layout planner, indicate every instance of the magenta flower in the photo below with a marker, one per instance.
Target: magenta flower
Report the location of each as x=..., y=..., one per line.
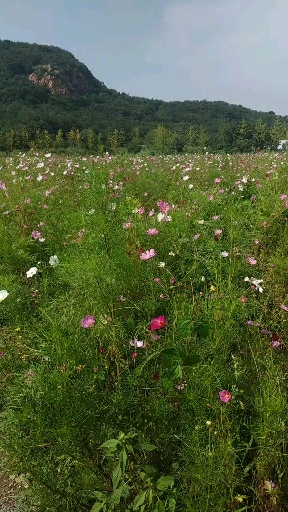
x=285, y=308
x=251, y=261
x=152, y=232
x=224, y=395
x=141, y=210
x=157, y=323
x=87, y=321
x=147, y=255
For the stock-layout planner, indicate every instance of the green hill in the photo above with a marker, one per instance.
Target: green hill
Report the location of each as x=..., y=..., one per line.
x=46, y=88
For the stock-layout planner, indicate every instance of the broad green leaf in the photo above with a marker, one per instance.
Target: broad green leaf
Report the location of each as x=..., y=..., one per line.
x=171, y=505
x=139, y=500
x=146, y=446
x=191, y=360
x=149, y=470
x=117, y=473
x=123, y=460
x=115, y=497
x=111, y=443
x=97, y=507
x=159, y=507
x=164, y=483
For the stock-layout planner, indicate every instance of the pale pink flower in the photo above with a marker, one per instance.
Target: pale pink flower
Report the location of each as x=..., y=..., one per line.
x=151, y=213
x=216, y=217
x=251, y=261
x=285, y=308
x=152, y=232
x=127, y=225
x=141, y=210
x=195, y=237
x=148, y=254
x=283, y=196
x=36, y=234
x=217, y=180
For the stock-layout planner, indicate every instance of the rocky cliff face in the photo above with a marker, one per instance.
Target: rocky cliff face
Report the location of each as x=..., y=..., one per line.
x=59, y=83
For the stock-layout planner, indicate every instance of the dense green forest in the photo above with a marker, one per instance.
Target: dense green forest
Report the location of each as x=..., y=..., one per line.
x=49, y=99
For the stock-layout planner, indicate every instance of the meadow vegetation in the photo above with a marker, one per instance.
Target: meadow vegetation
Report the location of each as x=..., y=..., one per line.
x=143, y=317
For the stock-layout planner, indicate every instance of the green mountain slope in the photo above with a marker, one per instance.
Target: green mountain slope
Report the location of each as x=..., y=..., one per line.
x=45, y=87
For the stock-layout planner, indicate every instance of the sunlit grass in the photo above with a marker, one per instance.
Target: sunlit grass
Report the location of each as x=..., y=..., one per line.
x=146, y=296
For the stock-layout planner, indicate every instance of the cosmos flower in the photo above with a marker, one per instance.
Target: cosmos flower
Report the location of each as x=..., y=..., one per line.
x=3, y=295
x=31, y=272
x=224, y=395
x=157, y=323
x=148, y=254
x=87, y=321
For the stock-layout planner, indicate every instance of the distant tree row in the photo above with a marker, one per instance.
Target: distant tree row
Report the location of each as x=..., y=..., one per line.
x=159, y=140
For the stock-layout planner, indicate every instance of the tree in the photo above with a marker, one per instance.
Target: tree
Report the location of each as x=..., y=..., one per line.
x=244, y=138
x=261, y=135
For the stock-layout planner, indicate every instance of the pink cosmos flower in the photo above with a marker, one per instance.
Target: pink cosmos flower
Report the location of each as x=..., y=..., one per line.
x=141, y=210
x=127, y=225
x=157, y=323
x=218, y=232
x=36, y=234
x=217, y=180
x=134, y=355
x=283, y=196
x=251, y=261
x=147, y=255
x=285, y=308
x=151, y=213
x=275, y=344
x=224, y=395
x=152, y=232
x=87, y=321
x=163, y=207
x=195, y=237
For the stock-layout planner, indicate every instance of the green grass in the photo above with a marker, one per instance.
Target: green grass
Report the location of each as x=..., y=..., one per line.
x=67, y=390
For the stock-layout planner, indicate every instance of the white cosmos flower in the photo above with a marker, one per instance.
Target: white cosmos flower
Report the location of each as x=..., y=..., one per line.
x=53, y=261
x=224, y=254
x=31, y=272
x=161, y=264
x=3, y=295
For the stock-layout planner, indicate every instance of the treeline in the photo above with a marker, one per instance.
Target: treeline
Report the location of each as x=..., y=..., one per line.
x=160, y=140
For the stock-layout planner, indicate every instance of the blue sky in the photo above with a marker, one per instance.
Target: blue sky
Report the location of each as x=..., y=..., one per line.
x=230, y=50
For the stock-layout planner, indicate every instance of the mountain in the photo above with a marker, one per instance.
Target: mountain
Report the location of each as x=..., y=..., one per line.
x=47, y=88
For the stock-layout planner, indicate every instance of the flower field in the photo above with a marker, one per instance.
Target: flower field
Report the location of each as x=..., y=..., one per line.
x=144, y=319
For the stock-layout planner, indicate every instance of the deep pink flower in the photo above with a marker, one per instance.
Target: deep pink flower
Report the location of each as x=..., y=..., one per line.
x=134, y=355
x=147, y=255
x=152, y=232
x=157, y=323
x=87, y=321
x=224, y=395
